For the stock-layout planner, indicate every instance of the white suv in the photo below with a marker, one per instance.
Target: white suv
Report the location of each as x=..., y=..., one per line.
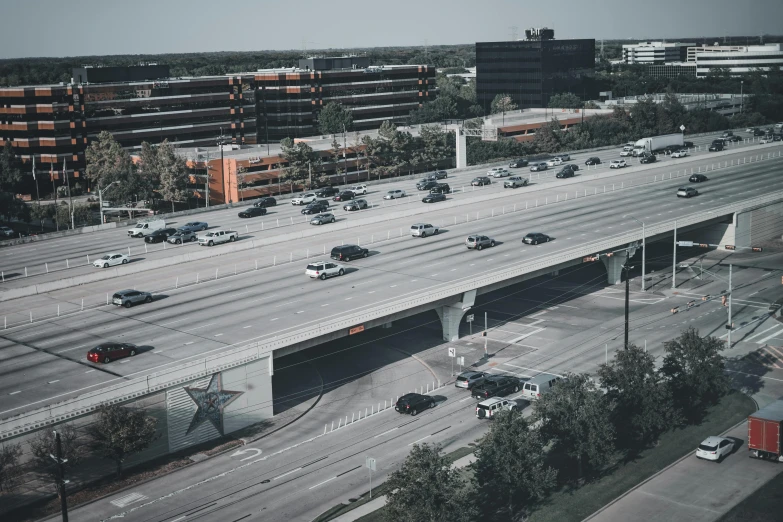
x=554, y=162
x=359, y=189
x=304, y=199
x=489, y=408
x=499, y=172
x=617, y=164
x=394, y=194
x=424, y=230
x=324, y=269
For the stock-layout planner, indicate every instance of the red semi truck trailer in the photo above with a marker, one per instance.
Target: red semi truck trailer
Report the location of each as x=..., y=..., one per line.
x=765, y=428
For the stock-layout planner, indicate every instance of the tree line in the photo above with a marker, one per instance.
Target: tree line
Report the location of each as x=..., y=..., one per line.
x=576, y=433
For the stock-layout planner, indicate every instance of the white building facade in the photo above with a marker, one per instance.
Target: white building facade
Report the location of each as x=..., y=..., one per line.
x=736, y=59
x=648, y=53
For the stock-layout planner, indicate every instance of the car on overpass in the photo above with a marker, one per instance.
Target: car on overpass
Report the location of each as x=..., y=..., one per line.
x=107, y=352
x=424, y=230
x=496, y=385
x=252, y=212
x=480, y=181
x=413, y=403
x=535, y=238
x=182, y=236
x=766, y=140
x=345, y=195
x=687, y=192
x=682, y=153
x=498, y=172
x=316, y=207
x=128, y=298
x=322, y=219
x=304, y=199
x=324, y=269
x=595, y=160
x=267, y=201
x=698, y=178
x=518, y=163
x=348, y=252
x=160, y=235
x=554, y=162
x=537, y=167
x=356, y=204
x=194, y=226
x=617, y=164
x=327, y=192
x=479, y=241
x=442, y=188
x=426, y=184
x=359, y=190
x=394, y=194
x=111, y=260
x=565, y=172
x=434, y=197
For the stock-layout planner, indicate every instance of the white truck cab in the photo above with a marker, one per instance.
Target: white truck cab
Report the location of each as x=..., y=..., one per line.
x=145, y=228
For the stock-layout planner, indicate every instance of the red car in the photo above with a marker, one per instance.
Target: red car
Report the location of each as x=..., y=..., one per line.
x=107, y=352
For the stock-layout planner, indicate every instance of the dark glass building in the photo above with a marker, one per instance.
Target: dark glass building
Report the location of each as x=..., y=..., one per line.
x=533, y=70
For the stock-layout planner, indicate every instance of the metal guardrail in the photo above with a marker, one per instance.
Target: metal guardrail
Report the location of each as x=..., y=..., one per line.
x=188, y=371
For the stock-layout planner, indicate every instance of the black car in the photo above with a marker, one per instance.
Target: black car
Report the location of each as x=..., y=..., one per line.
x=716, y=147
x=160, y=235
x=733, y=138
x=495, y=386
x=426, y=184
x=727, y=134
x=438, y=174
x=759, y=132
x=698, y=178
x=648, y=158
x=316, y=207
x=442, y=188
x=267, y=201
x=434, y=198
x=535, y=238
x=252, y=212
x=776, y=137
x=566, y=172
x=481, y=181
x=326, y=192
x=348, y=252
x=688, y=144
x=345, y=195
x=518, y=163
x=593, y=161
x=413, y=403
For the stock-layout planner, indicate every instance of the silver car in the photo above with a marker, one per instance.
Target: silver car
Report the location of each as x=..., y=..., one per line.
x=469, y=379
x=536, y=167
x=321, y=219
x=182, y=235
x=424, y=230
x=128, y=298
x=477, y=241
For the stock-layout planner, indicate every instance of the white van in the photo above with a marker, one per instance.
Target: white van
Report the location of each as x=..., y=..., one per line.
x=538, y=385
x=145, y=228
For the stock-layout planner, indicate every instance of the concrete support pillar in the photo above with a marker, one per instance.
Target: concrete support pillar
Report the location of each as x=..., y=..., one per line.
x=451, y=315
x=614, y=265
x=462, y=150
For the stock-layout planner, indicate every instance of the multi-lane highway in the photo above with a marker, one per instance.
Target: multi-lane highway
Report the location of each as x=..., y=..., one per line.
x=44, y=361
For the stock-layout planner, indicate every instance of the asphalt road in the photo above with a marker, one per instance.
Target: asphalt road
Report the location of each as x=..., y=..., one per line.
x=52, y=259
x=45, y=361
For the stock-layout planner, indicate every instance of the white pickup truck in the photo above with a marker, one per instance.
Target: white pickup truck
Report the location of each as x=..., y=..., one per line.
x=515, y=181
x=215, y=237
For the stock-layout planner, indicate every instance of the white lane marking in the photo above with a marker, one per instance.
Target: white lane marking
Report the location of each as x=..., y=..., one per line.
x=322, y=483
x=248, y=326
x=288, y=303
x=274, y=319
x=392, y=286
x=348, y=298
x=177, y=321
x=371, y=292
x=773, y=334
x=89, y=371
x=240, y=293
x=385, y=432
x=218, y=335
x=465, y=399
x=453, y=270
x=421, y=439
x=760, y=333
x=202, y=326
x=263, y=298
x=532, y=369
x=325, y=304
x=54, y=381
x=568, y=306
x=284, y=474
x=189, y=342
x=129, y=499
x=183, y=517
x=542, y=312
x=300, y=312
x=15, y=392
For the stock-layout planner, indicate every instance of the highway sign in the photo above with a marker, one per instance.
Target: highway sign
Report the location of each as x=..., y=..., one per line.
x=682, y=128
x=685, y=243
x=469, y=318
x=369, y=463
x=452, y=352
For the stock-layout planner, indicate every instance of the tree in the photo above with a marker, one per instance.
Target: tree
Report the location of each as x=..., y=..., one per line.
x=548, y=137
x=576, y=417
x=119, y=432
x=334, y=119
x=695, y=369
x=301, y=159
x=509, y=470
x=644, y=405
x=566, y=100
x=108, y=162
x=10, y=471
x=437, y=145
x=173, y=174
x=644, y=115
x=10, y=176
x=502, y=103
x=426, y=489
x=338, y=154
x=43, y=445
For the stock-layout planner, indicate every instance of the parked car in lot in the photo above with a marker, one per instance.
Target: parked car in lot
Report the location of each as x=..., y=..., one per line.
x=468, y=379
x=535, y=238
x=698, y=178
x=322, y=219
x=128, y=298
x=715, y=448
x=518, y=163
x=108, y=352
x=441, y=188
x=480, y=181
x=266, y=201
x=316, y=207
x=359, y=190
x=252, y=212
x=323, y=269
x=194, y=226
x=111, y=260
x=496, y=385
x=687, y=192
x=515, y=181
x=304, y=199
x=160, y=235
x=413, y=403
x=499, y=172
x=680, y=153
x=394, y=194
x=433, y=198
x=617, y=164
x=565, y=173
x=348, y=252
x=478, y=241
x=424, y=230
x=426, y=184
x=356, y=204
x=489, y=408
x=648, y=158
x=327, y=192
x=182, y=236
x=345, y=195
x=593, y=161
x=538, y=167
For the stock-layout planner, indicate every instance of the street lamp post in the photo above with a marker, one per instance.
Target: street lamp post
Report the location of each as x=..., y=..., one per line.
x=100, y=197
x=742, y=98
x=627, y=270
x=644, y=249
x=221, y=140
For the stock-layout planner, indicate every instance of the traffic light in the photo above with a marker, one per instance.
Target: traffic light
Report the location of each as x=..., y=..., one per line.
x=729, y=247
x=756, y=249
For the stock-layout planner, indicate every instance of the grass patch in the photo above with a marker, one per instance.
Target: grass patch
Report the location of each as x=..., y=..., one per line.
x=341, y=509
x=761, y=506
x=576, y=504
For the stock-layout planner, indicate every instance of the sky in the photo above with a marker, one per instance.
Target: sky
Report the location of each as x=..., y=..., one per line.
x=33, y=28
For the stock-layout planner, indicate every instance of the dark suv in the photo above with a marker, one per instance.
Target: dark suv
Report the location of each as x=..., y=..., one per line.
x=517, y=164
x=316, y=207
x=648, y=158
x=345, y=195
x=495, y=386
x=565, y=172
x=160, y=235
x=440, y=188
x=348, y=252
x=426, y=184
x=326, y=192
x=267, y=201
x=716, y=146
x=413, y=403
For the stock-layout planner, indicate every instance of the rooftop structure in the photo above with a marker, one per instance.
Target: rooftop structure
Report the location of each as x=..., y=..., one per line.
x=649, y=53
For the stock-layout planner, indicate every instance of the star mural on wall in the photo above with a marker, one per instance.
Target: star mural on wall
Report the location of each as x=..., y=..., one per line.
x=211, y=402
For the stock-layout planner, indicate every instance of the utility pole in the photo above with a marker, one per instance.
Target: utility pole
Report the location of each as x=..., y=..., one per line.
x=345, y=160
x=54, y=189
x=220, y=142
x=674, y=258
x=206, y=166
x=627, y=270
x=70, y=198
x=730, y=325
x=61, y=482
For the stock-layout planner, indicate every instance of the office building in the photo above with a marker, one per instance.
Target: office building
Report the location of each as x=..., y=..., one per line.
x=534, y=69
x=737, y=60
x=649, y=53
x=672, y=70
